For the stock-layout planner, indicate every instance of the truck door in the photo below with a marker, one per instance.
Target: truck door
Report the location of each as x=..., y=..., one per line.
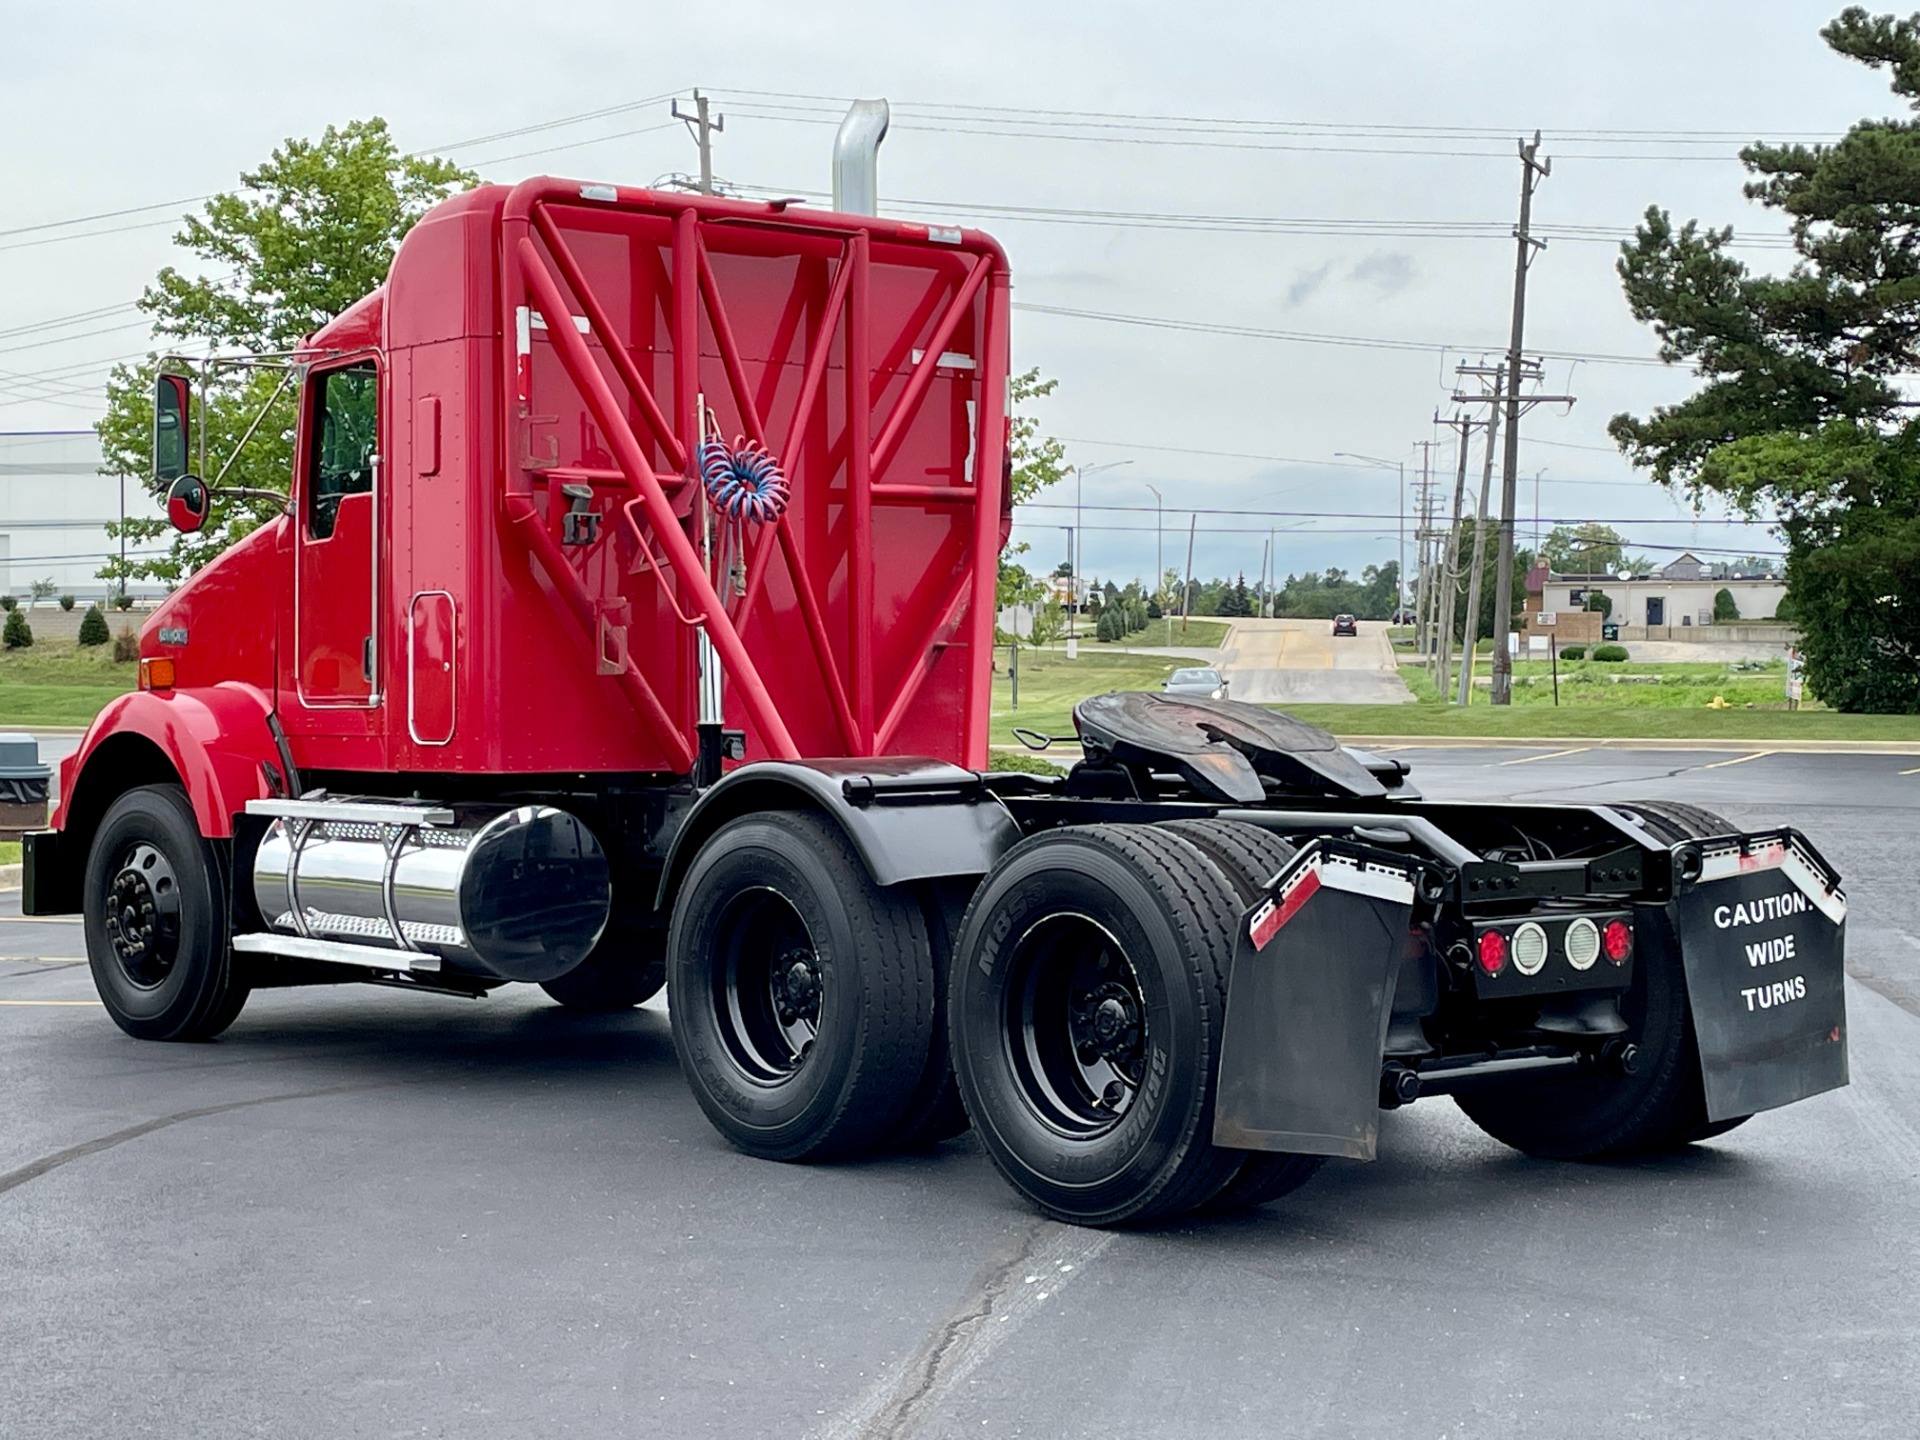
x=336, y=574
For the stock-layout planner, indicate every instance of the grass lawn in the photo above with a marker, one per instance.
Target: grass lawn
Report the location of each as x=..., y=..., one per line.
x=9, y=852
x=1199, y=634
x=1051, y=684
x=55, y=682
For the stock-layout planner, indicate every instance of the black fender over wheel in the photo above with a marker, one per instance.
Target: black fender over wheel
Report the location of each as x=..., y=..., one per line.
x=1085, y=1005
x=1588, y=1116
x=801, y=994
x=155, y=907
x=1249, y=857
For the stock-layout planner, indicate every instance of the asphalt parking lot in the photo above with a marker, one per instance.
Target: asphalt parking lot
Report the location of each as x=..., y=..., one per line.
x=370, y=1213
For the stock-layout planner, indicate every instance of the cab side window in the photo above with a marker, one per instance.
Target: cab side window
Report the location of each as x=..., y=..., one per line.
x=345, y=426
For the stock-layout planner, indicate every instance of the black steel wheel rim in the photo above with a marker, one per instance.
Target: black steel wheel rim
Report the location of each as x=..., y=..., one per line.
x=143, y=915
x=1075, y=1025
x=769, y=986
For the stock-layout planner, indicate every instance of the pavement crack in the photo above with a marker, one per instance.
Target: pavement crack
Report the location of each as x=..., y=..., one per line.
x=46, y=1164
x=1003, y=1293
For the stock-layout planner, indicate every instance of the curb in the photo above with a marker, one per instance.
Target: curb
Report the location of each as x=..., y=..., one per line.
x=10, y=876
x=1577, y=742
x=1569, y=742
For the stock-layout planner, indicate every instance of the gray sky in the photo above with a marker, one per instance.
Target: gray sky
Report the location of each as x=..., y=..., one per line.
x=110, y=106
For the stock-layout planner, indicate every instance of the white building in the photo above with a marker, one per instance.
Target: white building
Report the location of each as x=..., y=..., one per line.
x=54, y=508
x=1678, y=596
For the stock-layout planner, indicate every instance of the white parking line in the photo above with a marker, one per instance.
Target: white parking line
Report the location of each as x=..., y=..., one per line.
x=1551, y=755
x=1738, y=760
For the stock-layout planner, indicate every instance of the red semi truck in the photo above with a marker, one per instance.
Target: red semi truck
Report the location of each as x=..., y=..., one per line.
x=629, y=622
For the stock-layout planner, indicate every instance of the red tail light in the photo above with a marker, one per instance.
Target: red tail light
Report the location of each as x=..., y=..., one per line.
x=1617, y=938
x=1493, y=952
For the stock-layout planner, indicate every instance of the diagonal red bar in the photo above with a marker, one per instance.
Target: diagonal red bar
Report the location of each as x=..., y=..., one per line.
x=578, y=361
x=729, y=352
x=922, y=375
x=639, y=694
x=609, y=339
x=924, y=663
x=817, y=361
x=822, y=645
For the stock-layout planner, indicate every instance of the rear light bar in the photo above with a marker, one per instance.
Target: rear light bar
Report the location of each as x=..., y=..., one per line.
x=1552, y=952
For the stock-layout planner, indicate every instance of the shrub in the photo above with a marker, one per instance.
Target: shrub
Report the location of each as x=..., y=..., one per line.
x=126, y=646
x=123, y=601
x=1601, y=602
x=1573, y=652
x=18, y=634
x=1610, y=654
x=66, y=602
x=7, y=602
x=1725, y=612
x=93, y=627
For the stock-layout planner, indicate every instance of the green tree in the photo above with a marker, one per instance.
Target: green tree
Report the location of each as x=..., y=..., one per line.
x=309, y=232
x=1590, y=549
x=93, y=627
x=17, y=635
x=1601, y=603
x=1725, y=611
x=1800, y=415
x=1235, y=599
x=1038, y=460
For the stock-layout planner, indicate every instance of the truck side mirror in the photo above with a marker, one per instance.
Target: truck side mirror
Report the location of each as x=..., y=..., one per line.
x=187, y=503
x=170, y=427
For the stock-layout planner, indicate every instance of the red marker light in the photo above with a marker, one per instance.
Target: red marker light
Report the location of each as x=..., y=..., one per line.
x=1493, y=952
x=1617, y=938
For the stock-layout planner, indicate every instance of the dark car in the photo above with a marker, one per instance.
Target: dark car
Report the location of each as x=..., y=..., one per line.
x=1345, y=625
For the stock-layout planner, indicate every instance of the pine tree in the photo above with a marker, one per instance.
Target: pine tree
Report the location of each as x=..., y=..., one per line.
x=93, y=627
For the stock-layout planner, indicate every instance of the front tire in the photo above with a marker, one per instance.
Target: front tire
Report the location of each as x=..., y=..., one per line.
x=155, y=907
x=801, y=993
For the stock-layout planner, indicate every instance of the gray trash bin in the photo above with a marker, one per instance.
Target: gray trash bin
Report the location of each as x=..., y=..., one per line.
x=23, y=786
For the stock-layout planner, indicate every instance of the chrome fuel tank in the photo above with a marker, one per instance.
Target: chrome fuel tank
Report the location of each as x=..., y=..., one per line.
x=522, y=894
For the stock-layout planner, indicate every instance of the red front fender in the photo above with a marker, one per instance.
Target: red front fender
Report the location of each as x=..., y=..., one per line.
x=216, y=740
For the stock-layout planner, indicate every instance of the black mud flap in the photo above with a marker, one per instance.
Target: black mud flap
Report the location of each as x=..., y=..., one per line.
x=1309, y=1001
x=1763, y=939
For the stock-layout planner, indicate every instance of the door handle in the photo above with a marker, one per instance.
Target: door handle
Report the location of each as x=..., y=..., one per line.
x=366, y=659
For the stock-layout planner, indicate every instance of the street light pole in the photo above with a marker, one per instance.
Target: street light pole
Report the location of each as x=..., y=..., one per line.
x=1080, y=473
x=1400, y=581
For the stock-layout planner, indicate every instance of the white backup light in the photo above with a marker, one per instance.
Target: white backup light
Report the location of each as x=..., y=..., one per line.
x=1530, y=949
x=1583, y=944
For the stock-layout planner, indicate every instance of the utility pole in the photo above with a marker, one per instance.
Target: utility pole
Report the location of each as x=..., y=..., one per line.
x=1471, y=630
x=1532, y=171
x=1186, y=595
x=1423, y=544
x=1450, y=564
x=703, y=127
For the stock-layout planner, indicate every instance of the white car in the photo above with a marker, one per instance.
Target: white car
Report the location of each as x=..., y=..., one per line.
x=1197, y=680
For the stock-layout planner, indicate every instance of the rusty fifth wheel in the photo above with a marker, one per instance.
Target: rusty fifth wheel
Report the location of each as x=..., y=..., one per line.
x=1085, y=1004
x=801, y=993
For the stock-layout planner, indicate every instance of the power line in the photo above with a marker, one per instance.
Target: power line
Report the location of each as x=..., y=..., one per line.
x=1362, y=342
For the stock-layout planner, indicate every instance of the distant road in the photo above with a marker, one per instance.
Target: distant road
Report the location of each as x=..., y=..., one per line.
x=1300, y=662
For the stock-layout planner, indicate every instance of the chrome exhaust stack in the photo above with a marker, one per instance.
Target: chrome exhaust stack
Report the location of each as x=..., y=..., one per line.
x=856, y=158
